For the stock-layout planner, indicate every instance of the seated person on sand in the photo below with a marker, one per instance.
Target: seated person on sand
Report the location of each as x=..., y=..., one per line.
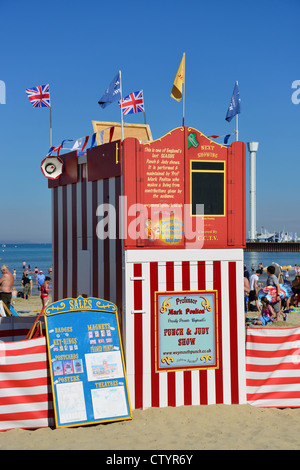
x=268, y=314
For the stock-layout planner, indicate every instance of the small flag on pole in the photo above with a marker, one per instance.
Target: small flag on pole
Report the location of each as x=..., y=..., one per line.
x=39, y=96
x=226, y=138
x=178, y=82
x=234, y=106
x=133, y=103
x=112, y=93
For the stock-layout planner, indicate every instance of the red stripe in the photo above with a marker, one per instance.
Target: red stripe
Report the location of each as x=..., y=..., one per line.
x=37, y=382
x=23, y=415
x=119, y=247
x=202, y=373
x=170, y=375
x=19, y=399
x=138, y=337
x=84, y=213
x=273, y=353
x=273, y=381
x=106, y=242
x=219, y=371
x=74, y=240
x=95, y=259
x=273, y=395
x=187, y=375
x=154, y=375
x=6, y=368
x=271, y=339
x=272, y=367
x=23, y=352
x=65, y=242
x=233, y=333
x=55, y=244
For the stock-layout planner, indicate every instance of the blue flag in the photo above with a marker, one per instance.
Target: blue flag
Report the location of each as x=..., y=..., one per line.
x=226, y=139
x=235, y=106
x=93, y=143
x=112, y=93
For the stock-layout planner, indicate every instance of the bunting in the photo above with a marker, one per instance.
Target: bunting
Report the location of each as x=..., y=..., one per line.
x=226, y=137
x=81, y=143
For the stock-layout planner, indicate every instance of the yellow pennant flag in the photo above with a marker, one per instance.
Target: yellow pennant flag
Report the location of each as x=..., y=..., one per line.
x=176, y=92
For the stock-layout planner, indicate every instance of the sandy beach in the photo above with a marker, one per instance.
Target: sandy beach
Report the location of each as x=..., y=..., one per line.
x=224, y=427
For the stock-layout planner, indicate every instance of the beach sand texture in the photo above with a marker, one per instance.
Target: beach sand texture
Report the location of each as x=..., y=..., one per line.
x=230, y=427
x=224, y=427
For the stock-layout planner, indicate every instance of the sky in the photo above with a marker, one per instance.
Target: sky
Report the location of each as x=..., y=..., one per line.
x=78, y=47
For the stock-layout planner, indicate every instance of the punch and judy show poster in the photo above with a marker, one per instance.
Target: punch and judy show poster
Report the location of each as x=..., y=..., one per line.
x=186, y=330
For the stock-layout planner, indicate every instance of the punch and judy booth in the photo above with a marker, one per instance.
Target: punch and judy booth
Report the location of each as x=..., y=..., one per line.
x=158, y=228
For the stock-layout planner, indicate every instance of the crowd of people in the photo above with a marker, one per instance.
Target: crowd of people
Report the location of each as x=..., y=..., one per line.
x=269, y=311
x=8, y=279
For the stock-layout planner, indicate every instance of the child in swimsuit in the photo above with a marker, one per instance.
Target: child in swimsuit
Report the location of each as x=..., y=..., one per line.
x=268, y=314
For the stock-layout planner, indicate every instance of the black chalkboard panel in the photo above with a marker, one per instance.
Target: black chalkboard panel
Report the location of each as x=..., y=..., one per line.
x=208, y=187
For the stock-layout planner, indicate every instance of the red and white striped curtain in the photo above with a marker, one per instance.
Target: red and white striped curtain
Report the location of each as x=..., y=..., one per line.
x=273, y=367
x=25, y=387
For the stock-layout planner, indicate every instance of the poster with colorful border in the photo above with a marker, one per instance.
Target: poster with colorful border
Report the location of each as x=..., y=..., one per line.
x=186, y=330
x=88, y=376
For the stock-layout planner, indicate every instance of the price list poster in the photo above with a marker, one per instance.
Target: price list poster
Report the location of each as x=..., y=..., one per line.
x=87, y=368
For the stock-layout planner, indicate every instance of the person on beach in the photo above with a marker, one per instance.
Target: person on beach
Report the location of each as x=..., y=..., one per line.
x=296, y=290
x=268, y=314
x=6, y=285
x=253, y=295
x=45, y=291
x=26, y=285
x=272, y=280
x=246, y=292
x=40, y=278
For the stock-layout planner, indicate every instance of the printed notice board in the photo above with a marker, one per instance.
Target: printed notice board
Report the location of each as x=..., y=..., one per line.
x=87, y=369
x=186, y=330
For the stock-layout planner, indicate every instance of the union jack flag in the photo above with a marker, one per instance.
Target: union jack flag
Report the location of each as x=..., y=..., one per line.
x=39, y=96
x=133, y=103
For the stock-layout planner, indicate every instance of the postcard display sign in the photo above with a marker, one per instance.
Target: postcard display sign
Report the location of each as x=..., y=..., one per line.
x=88, y=376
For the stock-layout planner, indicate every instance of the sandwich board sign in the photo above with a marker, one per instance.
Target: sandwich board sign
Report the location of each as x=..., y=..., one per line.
x=88, y=376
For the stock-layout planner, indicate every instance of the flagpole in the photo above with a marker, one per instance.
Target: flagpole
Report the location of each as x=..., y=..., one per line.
x=50, y=126
x=183, y=98
x=236, y=122
x=183, y=104
x=122, y=124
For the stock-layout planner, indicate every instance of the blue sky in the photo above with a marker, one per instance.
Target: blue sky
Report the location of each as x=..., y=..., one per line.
x=78, y=47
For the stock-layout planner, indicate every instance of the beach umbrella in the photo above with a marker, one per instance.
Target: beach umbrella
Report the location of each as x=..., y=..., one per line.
x=270, y=292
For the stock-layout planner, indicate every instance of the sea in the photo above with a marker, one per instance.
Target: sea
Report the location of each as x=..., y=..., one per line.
x=34, y=254
x=40, y=255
